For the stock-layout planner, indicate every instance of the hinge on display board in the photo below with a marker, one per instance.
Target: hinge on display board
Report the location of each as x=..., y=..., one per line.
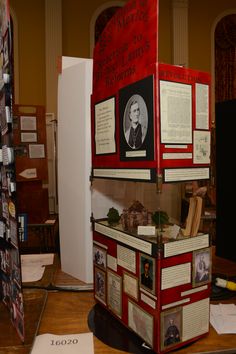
x=91, y=176
x=92, y=220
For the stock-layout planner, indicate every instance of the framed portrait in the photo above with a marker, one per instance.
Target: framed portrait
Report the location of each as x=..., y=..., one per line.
x=99, y=256
x=171, y=327
x=136, y=120
x=114, y=293
x=100, y=285
x=141, y=322
x=130, y=285
x=201, y=273
x=147, y=272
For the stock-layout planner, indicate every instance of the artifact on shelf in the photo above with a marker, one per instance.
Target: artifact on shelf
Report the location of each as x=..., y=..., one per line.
x=134, y=216
x=113, y=217
x=160, y=218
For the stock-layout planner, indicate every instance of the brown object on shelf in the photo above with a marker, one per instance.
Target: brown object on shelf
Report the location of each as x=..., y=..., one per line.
x=194, y=217
x=136, y=215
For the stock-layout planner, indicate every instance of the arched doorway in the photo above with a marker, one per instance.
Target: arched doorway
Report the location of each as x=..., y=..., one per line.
x=225, y=59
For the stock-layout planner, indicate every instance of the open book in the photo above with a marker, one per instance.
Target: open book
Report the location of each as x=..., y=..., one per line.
x=194, y=216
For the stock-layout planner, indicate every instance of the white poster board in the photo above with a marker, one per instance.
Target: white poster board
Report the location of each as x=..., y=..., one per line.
x=74, y=167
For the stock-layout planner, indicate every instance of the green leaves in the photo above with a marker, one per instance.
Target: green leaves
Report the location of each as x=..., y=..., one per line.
x=113, y=216
x=160, y=217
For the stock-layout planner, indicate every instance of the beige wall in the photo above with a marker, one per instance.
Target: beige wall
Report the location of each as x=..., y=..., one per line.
x=31, y=44
x=76, y=18
x=202, y=21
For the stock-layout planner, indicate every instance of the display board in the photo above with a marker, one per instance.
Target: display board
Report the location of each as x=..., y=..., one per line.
x=150, y=122
x=30, y=143
x=10, y=269
x=148, y=118
x=74, y=167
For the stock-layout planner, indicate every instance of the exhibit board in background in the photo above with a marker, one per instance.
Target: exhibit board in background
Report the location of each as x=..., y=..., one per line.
x=74, y=167
x=10, y=266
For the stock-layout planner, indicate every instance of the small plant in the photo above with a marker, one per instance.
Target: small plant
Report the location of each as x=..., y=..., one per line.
x=160, y=218
x=113, y=216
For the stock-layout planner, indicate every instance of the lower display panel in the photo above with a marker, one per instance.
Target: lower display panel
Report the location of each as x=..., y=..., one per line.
x=163, y=301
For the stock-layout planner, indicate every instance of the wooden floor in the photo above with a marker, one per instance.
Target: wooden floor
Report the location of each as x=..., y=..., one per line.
x=66, y=312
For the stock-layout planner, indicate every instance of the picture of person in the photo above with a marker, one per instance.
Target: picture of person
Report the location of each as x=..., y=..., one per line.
x=135, y=121
x=100, y=285
x=147, y=280
x=172, y=334
x=171, y=327
x=99, y=256
x=202, y=267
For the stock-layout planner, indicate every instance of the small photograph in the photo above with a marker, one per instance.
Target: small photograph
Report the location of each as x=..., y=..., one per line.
x=100, y=285
x=147, y=273
x=201, y=267
x=136, y=114
x=135, y=121
x=99, y=256
x=5, y=50
x=141, y=322
x=171, y=327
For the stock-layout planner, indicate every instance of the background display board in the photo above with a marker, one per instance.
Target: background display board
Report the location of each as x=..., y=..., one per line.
x=10, y=269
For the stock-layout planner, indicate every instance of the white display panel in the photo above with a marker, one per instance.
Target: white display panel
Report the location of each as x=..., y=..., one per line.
x=74, y=167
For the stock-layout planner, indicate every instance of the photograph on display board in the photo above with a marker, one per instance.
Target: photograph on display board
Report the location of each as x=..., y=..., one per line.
x=147, y=273
x=100, y=285
x=4, y=16
x=6, y=51
x=171, y=327
x=141, y=322
x=201, y=267
x=136, y=120
x=99, y=256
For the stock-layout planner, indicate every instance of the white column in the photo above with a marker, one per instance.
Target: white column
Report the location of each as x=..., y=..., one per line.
x=53, y=50
x=180, y=32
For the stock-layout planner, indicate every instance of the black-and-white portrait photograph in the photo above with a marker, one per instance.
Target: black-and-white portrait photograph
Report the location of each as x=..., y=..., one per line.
x=100, y=285
x=201, y=266
x=171, y=327
x=99, y=256
x=136, y=112
x=135, y=121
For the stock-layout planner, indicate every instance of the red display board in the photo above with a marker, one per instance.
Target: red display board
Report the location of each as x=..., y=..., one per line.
x=168, y=305
x=150, y=122
x=173, y=103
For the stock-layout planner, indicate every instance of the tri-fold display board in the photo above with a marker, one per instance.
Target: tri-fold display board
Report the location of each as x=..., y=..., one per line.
x=150, y=122
x=173, y=105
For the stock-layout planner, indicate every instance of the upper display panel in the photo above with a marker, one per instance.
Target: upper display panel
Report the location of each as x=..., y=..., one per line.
x=148, y=119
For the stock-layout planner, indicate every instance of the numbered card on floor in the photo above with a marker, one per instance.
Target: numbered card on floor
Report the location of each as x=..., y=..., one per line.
x=63, y=344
